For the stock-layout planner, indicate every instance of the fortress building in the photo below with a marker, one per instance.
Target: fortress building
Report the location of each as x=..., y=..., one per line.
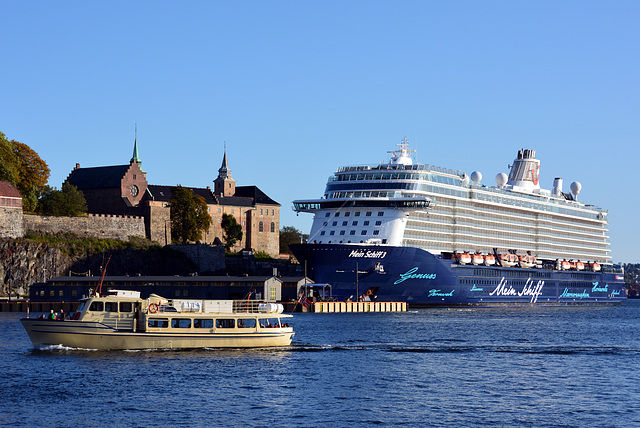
x=124, y=190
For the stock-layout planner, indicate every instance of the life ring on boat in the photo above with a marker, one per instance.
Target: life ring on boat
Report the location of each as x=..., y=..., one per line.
x=76, y=316
x=153, y=308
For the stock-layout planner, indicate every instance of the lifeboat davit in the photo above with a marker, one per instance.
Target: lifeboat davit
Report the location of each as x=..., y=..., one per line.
x=508, y=259
x=489, y=260
x=477, y=259
x=464, y=258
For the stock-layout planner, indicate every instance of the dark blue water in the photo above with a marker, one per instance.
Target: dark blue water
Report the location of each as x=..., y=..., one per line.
x=461, y=367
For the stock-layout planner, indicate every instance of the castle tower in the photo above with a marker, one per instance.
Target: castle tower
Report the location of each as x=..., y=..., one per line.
x=224, y=185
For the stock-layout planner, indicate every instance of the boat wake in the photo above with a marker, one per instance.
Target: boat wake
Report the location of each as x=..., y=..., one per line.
x=459, y=348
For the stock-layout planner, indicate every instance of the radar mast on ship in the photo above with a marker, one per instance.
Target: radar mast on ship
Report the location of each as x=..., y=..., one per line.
x=401, y=156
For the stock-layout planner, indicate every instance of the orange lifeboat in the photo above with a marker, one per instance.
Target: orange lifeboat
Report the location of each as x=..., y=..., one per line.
x=595, y=266
x=527, y=261
x=489, y=260
x=477, y=259
x=579, y=265
x=508, y=259
x=565, y=265
x=464, y=258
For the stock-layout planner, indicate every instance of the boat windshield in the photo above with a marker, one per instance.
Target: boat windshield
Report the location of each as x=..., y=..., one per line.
x=81, y=307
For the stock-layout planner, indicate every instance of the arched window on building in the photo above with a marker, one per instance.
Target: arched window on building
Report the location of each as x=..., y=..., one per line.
x=273, y=227
x=260, y=227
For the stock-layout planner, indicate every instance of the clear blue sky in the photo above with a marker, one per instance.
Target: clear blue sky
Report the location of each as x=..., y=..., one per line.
x=298, y=88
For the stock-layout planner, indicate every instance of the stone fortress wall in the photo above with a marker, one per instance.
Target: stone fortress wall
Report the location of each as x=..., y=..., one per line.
x=94, y=226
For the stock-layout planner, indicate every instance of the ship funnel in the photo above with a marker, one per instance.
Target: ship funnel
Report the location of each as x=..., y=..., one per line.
x=525, y=171
x=557, y=186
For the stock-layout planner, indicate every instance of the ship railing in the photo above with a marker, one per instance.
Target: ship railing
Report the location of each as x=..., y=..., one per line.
x=256, y=307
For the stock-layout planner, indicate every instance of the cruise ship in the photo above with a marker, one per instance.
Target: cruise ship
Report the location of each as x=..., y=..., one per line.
x=433, y=236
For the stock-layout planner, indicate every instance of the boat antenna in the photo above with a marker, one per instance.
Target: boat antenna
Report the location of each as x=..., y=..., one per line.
x=104, y=272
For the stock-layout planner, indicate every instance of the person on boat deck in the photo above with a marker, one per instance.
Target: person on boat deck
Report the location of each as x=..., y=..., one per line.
x=52, y=315
x=60, y=316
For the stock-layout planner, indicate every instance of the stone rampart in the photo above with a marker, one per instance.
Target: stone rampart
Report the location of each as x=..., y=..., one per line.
x=94, y=225
x=207, y=258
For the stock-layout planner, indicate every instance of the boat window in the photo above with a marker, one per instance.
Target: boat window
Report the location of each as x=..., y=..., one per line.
x=126, y=307
x=200, y=323
x=225, y=323
x=269, y=322
x=247, y=323
x=159, y=322
x=180, y=323
x=96, y=306
x=111, y=306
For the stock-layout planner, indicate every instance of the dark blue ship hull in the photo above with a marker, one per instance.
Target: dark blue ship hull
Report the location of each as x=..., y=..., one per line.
x=423, y=279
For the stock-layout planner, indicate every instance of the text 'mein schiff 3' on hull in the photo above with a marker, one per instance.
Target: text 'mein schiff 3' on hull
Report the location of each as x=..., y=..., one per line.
x=427, y=235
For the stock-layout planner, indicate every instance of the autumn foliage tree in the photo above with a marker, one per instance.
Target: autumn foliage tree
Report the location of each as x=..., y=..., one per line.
x=22, y=166
x=189, y=215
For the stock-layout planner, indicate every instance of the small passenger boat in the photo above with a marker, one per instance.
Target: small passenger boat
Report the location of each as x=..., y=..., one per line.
x=123, y=320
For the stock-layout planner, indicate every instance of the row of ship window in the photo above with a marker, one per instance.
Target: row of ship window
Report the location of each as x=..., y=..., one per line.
x=355, y=214
x=520, y=201
x=563, y=251
x=354, y=223
x=209, y=323
x=351, y=232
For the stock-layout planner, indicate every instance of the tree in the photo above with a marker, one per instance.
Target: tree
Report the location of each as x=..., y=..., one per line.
x=189, y=215
x=9, y=161
x=68, y=202
x=290, y=235
x=33, y=174
x=21, y=166
x=231, y=231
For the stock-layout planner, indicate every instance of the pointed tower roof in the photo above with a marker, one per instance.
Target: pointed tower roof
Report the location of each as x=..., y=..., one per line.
x=135, y=156
x=224, y=170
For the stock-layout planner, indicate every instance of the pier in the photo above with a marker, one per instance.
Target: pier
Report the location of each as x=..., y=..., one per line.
x=333, y=307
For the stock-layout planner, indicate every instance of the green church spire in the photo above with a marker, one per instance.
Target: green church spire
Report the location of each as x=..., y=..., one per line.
x=136, y=157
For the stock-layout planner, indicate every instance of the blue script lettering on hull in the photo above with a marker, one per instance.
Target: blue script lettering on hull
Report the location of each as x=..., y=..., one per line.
x=411, y=274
